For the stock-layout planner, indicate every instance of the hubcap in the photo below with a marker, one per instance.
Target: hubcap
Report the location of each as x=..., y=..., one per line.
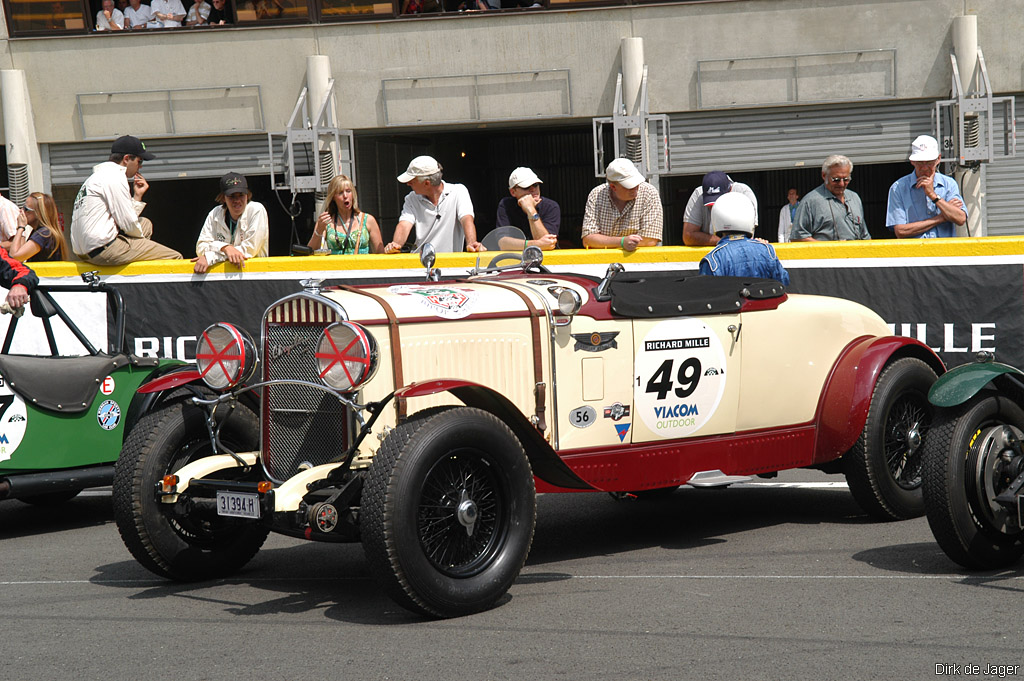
x=467, y=513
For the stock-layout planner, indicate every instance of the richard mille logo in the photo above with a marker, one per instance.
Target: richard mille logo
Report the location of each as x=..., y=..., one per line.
x=297, y=347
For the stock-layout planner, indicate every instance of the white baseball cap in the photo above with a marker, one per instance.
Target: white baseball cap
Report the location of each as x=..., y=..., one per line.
x=421, y=166
x=924, y=148
x=523, y=178
x=621, y=171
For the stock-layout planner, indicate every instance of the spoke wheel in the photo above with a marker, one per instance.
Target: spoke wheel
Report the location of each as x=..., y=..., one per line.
x=446, y=523
x=883, y=468
x=971, y=456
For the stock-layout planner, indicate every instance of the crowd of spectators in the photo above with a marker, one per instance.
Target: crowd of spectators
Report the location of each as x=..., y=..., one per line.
x=623, y=212
x=135, y=15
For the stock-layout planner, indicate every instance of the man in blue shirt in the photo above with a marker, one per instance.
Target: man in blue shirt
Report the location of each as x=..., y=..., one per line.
x=738, y=254
x=925, y=203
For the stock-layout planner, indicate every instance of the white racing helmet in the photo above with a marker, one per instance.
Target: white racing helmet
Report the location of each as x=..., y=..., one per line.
x=733, y=212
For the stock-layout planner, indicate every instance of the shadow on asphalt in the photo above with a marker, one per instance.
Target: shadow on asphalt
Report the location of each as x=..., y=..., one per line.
x=18, y=519
x=927, y=558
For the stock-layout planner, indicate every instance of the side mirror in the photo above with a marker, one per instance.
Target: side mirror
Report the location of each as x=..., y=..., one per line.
x=428, y=255
x=533, y=256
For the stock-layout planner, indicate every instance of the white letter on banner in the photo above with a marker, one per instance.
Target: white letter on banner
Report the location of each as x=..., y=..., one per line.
x=947, y=337
x=146, y=347
x=977, y=337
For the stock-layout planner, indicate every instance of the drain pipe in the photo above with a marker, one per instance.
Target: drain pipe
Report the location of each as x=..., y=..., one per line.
x=632, y=77
x=24, y=165
x=965, y=46
x=318, y=77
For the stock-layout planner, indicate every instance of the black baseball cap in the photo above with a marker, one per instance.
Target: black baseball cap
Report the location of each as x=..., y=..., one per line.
x=233, y=183
x=133, y=146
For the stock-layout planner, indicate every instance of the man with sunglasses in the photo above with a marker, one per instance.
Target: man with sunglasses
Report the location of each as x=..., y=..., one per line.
x=105, y=225
x=925, y=203
x=831, y=212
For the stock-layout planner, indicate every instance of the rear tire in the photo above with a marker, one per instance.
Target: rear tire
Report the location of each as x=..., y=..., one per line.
x=964, y=471
x=883, y=468
x=448, y=512
x=183, y=548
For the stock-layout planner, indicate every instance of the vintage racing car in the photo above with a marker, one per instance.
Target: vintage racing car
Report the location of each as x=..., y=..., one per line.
x=419, y=418
x=974, y=465
x=63, y=416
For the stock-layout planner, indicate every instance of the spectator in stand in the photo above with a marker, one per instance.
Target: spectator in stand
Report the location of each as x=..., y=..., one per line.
x=925, y=203
x=198, y=14
x=831, y=212
x=137, y=16
x=236, y=230
x=536, y=217
x=168, y=12
x=625, y=212
x=40, y=223
x=220, y=14
x=342, y=228
x=105, y=226
x=8, y=219
x=697, y=216
x=420, y=6
x=738, y=253
x=441, y=212
x=787, y=214
x=109, y=18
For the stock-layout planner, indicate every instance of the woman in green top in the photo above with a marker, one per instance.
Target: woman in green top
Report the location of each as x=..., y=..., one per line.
x=342, y=228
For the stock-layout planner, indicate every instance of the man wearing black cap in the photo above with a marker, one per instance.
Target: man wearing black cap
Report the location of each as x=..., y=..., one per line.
x=697, y=230
x=234, y=231
x=105, y=226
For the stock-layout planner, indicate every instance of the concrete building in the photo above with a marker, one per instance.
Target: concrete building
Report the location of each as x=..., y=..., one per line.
x=763, y=89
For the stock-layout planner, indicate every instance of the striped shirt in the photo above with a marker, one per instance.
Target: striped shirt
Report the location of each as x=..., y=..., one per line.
x=643, y=215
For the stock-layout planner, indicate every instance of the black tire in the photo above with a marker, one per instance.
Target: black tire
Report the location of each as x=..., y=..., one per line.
x=181, y=548
x=459, y=457
x=51, y=498
x=883, y=468
x=963, y=472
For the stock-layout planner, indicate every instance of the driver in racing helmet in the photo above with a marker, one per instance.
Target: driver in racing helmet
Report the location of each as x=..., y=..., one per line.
x=738, y=253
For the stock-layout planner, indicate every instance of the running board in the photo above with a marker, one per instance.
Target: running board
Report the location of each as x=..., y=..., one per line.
x=715, y=478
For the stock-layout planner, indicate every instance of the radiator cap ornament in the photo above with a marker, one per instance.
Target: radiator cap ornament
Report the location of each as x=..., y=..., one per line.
x=311, y=285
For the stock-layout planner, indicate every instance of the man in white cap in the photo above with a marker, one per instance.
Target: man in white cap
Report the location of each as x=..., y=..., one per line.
x=925, y=203
x=442, y=212
x=697, y=230
x=624, y=212
x=539, y=218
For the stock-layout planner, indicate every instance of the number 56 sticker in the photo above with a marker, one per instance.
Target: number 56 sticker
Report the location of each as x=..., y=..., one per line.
x=679, y=377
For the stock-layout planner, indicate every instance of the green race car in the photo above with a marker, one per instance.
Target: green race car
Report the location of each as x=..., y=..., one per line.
x=64, y=418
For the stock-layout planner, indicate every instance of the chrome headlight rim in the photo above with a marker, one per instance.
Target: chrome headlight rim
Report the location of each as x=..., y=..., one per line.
x=225, y=356
x=347, y=356
x=569, y=302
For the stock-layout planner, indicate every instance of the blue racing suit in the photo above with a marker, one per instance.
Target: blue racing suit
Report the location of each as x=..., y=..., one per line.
x=737, y=255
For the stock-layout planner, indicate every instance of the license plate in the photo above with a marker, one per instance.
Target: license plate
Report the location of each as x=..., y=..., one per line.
x=238, y=504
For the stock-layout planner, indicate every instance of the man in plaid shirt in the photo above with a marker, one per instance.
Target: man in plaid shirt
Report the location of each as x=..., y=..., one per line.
x=625, y=212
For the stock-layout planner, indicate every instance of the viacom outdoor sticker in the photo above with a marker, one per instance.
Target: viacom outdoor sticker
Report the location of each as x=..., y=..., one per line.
x=680, y=377
x=13, y=420
x=450, y=302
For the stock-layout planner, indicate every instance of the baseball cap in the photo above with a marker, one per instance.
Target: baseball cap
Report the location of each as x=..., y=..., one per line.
x=233, y=183
x=924, y=148
x=714, y=185
x=523, y=177
x=131, y=145
x=621, y=171
x=420, y=166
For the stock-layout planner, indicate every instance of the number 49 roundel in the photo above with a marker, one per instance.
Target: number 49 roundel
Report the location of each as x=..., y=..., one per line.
x=680, y=377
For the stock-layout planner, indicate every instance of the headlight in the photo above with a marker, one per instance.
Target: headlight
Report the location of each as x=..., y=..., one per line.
x=346, y=356
x=225, y=356
x=569, y=302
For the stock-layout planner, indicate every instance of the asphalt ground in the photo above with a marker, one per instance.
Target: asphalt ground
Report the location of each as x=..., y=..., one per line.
x=761, y=581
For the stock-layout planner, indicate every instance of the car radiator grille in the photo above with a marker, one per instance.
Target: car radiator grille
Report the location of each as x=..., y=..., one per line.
x=301, y=425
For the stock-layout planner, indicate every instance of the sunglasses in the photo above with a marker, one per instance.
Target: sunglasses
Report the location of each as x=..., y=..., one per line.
x=29, y=210
x=837, y=180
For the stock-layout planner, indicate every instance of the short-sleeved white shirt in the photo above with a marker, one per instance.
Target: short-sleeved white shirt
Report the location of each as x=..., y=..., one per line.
x=440, y=225
x=699, y=214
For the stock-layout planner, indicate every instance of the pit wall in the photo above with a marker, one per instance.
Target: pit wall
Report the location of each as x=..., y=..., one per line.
x=959, y=296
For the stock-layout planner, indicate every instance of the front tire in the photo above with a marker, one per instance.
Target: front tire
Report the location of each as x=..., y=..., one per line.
x=448, y=512
x=883, y=468
x=181, y=547
x=968, y=460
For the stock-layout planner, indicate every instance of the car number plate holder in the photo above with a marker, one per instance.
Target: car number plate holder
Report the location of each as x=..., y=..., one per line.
x=238, y=504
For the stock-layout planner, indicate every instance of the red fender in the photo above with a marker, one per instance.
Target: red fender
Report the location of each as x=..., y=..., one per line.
x=844, y=402
x=168, y=381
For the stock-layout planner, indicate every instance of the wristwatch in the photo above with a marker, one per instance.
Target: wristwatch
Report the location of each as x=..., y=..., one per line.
x=535, y=216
